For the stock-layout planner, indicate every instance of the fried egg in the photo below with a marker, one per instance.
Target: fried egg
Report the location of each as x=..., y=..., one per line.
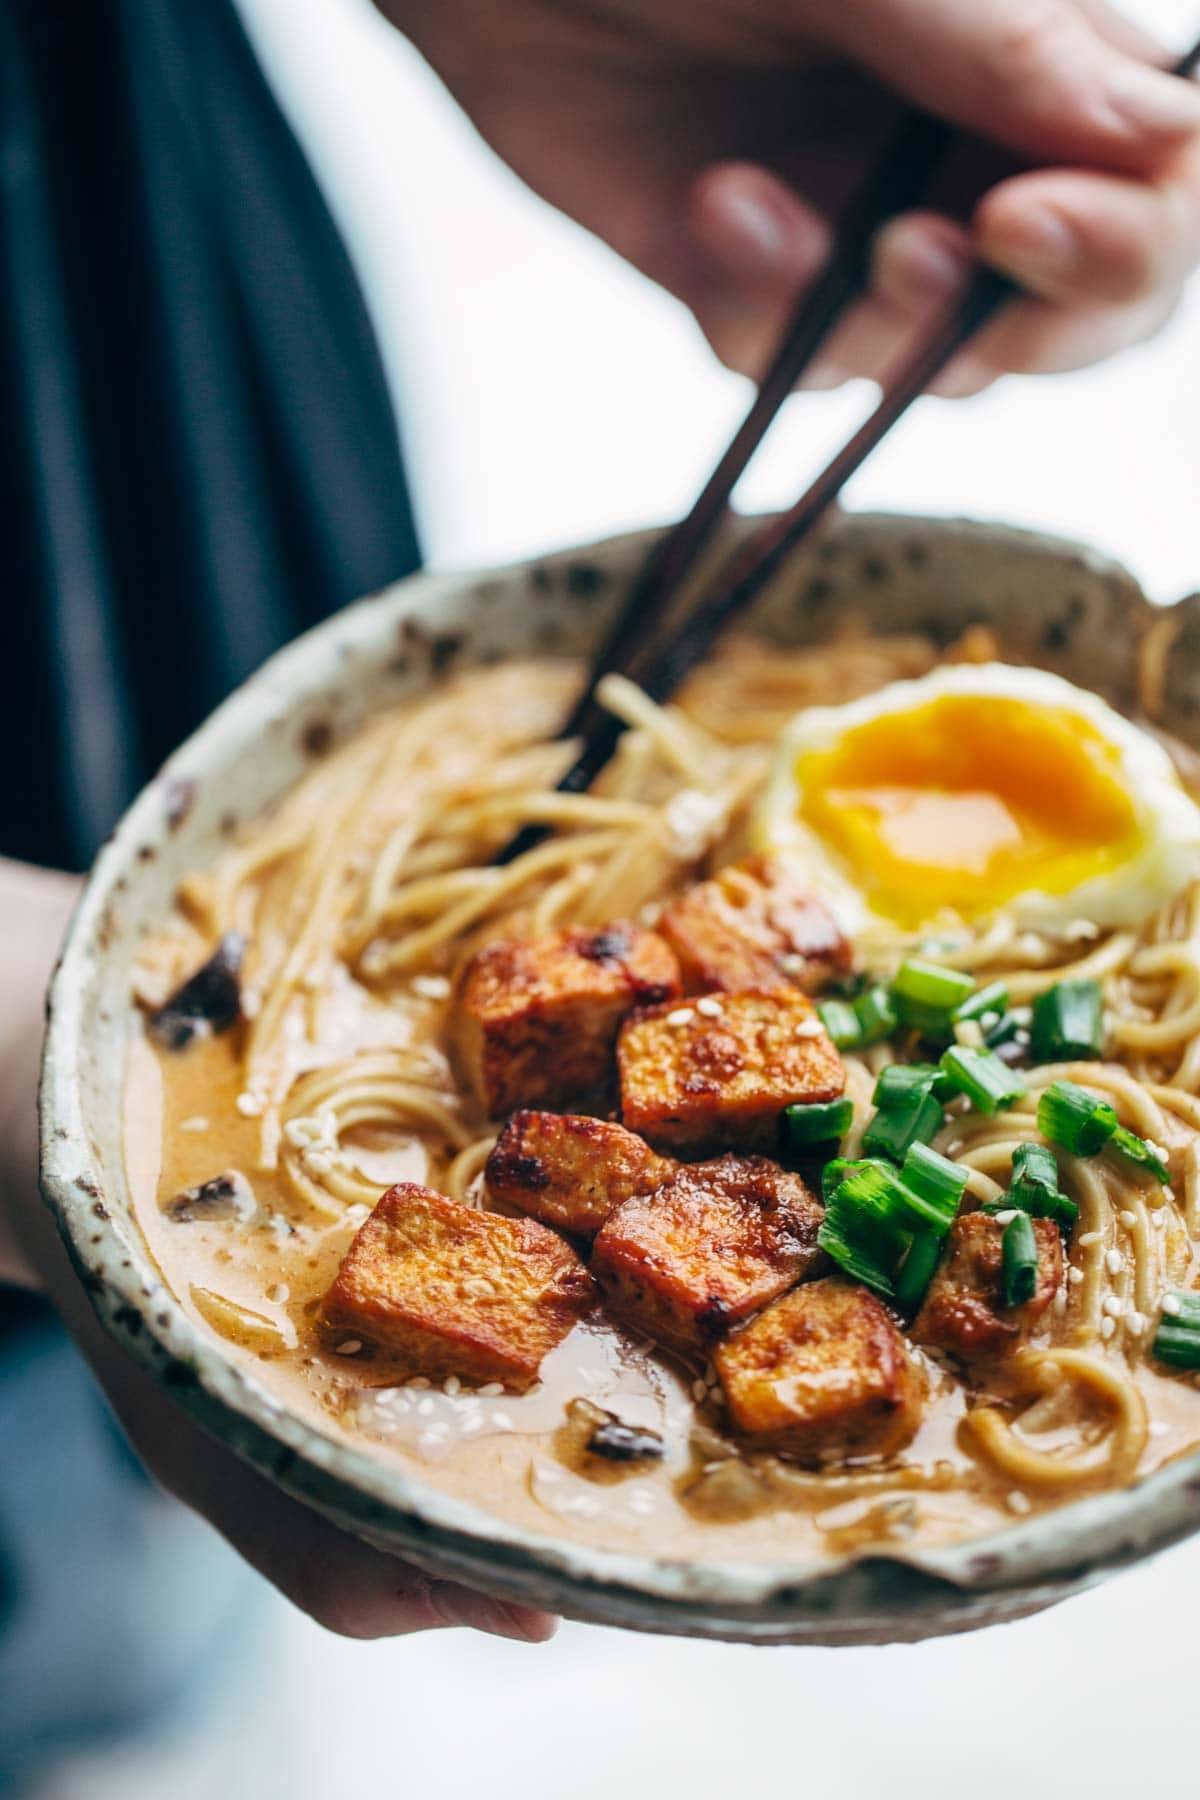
x=977, y=789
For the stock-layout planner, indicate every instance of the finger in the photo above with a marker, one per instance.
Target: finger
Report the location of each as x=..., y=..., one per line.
x=753, y=246
x=1080, y=238
x=1035, y=75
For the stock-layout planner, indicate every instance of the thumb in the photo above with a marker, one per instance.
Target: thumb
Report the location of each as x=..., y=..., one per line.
x=1038, y=76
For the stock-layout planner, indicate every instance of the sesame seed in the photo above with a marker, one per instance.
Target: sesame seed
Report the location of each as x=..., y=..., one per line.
x=1024, y=1038
x=452, y=1385
x=1107, y=1327
x=989, y=1020
x=1159, y=1150
x=1018, y=1502
x=1060, y=1300
x=196, y=1123
x=1089, y=1237
x=1075, y=1276
x=418, y=1381
x=809, y=1028
x=491, y=1388
x=1171, y=1306
x=349, y=1347
x=683, y=1015
x=1168, y=1193
x=249, y=1105
x=1113, y=1306
x=430, y=987
x=1114, y=1262
x=251, y=1003
x=1007, y=1216
x=1128, y=1219
x=709, y=1007
x=278, y=1292
x=1136, y=1323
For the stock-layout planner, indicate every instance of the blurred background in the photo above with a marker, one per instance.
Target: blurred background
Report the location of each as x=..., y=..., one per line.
x=549, y=395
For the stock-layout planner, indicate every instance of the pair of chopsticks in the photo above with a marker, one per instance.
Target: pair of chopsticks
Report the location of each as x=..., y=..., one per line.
x=903, y=175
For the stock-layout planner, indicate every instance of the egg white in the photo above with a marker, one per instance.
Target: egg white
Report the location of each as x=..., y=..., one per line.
x=1168, y=820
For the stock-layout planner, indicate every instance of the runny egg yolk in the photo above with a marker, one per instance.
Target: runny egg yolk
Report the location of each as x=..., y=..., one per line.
x=966, y=801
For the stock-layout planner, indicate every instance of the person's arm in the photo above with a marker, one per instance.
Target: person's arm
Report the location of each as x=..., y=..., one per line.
x=336, y=1579
x=709, y=144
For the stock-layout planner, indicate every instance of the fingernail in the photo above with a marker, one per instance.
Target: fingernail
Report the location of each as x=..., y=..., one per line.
x=756, y=225
x=460, y=1606
x=1150, y=100
x=1038, y=246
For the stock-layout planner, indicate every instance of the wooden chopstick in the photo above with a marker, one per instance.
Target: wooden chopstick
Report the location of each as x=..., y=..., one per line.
x=760, y=560
x=902, y=175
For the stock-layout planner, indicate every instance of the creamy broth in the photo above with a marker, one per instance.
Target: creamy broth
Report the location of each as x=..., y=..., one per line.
x=346, y=962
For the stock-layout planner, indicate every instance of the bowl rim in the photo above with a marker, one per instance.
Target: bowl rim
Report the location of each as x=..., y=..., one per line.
x=1036, y=1560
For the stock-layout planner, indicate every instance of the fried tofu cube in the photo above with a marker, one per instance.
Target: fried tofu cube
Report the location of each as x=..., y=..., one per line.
x=754, y=925
x=711, y=1246
x=717, y=1072
x=571, y=1171
x=964, y=1311
x=453, y=1291
x=823, y=1373
x=536, y=1019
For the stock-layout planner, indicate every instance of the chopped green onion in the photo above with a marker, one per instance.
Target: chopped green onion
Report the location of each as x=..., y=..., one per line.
x=854, y=1260
x=1019, y=1260
x=916, y=1271
x=990, y=999
x=834, y=1173
x=1008, y=1028
x=1177, y=1340
x=1035, y=1190
x=900, y=1081
x=903, y=1123
x=1068, y=1022
x=936, y=1181
x=925, y=996
x=989, y=1084
x=841, y=1022
x=821, y=1122
x=876, y=1016
x=1137, y=1151
x=1068, y=1115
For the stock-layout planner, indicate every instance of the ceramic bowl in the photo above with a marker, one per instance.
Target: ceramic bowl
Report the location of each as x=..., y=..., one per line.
x=1051, y=603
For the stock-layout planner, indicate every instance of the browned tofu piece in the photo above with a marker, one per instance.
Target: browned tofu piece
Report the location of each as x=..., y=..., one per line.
x=716, y=1242
x=536, y=1019
x=571, y=1171
x=452, y=1291
x=964, y=1311
x=823, y=1373
x=716, y=1073
x=754, y=925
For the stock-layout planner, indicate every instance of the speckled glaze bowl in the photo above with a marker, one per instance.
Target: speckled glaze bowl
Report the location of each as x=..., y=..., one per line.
x=1051, y=603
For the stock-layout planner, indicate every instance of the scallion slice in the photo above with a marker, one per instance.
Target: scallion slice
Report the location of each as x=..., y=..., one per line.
x=902, y=1123
x=841, y=1022
x=1019, y=1260
x=936, y=1181
x=989, y=1084
x=1068, y=1115
x=1034, y=1188
x=834, y=1173
x=1136, y=1150
x=990, y=999
x=1068, y=1023
x=853, y=1259
x=876, y=1016
x=1177, y=1340
x=821, y=1122
x=925, y=996
x=916, y=1271
x=900, y=1081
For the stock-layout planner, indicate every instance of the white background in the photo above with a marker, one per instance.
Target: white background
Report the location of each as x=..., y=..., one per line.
x=549, y=395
